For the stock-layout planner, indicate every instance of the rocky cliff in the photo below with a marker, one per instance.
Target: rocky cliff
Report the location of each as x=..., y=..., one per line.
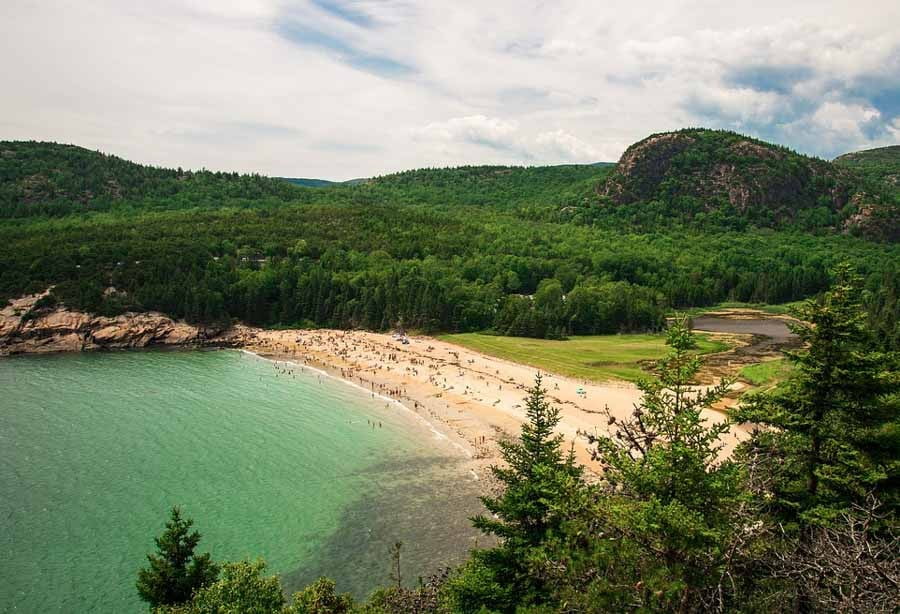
x=695, y=172
x=720, y=167
x=32, y=324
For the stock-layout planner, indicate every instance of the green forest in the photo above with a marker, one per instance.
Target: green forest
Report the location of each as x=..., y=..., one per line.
x=527, y=251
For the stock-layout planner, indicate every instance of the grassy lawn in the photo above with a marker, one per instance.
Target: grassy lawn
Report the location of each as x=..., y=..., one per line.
x=598, y=358
x=767, y=373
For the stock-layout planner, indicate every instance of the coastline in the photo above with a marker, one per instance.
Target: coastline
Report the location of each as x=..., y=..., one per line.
x=472, y=399
x=461, y=445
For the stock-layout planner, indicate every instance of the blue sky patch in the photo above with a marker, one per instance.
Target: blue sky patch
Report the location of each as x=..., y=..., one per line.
x=767, y=78
x=345, y=11
x=345, y=52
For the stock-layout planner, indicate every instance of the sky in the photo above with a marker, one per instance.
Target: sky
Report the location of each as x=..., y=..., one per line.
x=339, y=89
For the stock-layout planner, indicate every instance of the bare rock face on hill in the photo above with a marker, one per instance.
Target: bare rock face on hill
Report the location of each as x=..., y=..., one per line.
x=715, y=170
x=873, y=220
x=724, y=179
x=33, y=324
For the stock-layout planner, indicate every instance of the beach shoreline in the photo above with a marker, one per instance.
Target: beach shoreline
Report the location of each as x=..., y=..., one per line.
x=473, y=399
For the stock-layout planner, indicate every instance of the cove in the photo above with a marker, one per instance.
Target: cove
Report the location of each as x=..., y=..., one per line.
x=287, y=466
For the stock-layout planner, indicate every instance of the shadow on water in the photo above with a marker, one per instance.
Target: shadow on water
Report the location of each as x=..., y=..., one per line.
x=426, y=504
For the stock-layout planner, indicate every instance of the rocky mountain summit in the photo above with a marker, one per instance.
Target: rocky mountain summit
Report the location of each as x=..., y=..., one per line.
x=698, y=171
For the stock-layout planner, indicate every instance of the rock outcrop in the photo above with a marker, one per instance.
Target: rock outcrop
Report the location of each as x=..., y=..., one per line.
x=32, y=324
x=716, y=170
x=873, y=220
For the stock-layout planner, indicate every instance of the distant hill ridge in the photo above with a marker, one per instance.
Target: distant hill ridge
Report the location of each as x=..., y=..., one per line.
x=40, y=178
x=701, y=173
x=695, y=177
x=881, y=163
x=51, y=179
x=320, y=183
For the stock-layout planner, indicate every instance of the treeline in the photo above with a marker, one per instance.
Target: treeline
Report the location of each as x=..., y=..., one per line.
x=801, y=517
x=594, y=308
x=430, y=268
x=51, y=180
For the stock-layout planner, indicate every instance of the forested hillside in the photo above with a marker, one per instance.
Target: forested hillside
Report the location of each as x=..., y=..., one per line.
x=38, y=179
x=882, y=163
x=719, y=178
x=48, y=179
x=525, y=251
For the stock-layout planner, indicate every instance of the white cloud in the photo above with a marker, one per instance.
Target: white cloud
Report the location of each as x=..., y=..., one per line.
x=474, y=129
x=508, y=141
x=894, y=129
x=844, y=118
x=342, y=89
x=560, y=146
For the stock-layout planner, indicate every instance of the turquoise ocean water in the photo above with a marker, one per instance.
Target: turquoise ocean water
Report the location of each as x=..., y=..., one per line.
x=97, y=447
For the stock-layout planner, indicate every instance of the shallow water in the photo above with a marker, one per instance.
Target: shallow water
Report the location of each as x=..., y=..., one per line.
x=97, y=448
x=768, y=327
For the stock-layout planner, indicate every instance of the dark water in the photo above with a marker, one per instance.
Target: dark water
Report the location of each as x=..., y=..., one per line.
x=97, y=447
x=770, y=327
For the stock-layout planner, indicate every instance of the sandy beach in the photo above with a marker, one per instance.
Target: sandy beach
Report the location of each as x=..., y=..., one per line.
x=476, y=400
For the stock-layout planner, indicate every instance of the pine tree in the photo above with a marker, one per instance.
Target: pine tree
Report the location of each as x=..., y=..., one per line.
x=524, y=516
x=665, y=521
x=832, y=431
x=175, y=572
x=535, y=463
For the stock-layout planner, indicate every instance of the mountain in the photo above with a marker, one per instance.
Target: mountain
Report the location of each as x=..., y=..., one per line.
x=702, y=179
x=451, y=249
x=882, y=163
x=699, y=174
x=40, y=178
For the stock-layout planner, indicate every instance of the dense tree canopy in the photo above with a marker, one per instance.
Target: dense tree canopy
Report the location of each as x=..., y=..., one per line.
x=429, y=267
x=523, y=251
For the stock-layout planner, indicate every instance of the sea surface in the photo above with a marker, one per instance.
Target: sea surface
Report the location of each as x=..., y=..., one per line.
x=316, y=476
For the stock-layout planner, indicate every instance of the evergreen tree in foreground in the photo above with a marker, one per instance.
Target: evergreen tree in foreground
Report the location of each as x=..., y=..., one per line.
x=175, y=572
x=665, y=529
x=833, y=436
x=535, y=474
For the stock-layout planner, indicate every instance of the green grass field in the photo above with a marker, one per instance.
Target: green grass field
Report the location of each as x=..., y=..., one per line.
x=767, y=373
x=597, y=358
